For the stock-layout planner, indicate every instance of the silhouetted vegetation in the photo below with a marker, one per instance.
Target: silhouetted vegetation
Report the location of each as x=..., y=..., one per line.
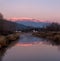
x=7, y=27
x=53, y=27
x=50, y=27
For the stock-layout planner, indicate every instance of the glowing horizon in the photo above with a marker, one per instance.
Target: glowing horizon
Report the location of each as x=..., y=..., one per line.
x=25, y=18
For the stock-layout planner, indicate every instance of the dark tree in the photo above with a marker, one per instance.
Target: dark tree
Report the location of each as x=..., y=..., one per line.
x=53, y=27
x=1, y=16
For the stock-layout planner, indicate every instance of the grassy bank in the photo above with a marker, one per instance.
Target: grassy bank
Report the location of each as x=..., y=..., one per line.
x=5, y=40
x=48, y=35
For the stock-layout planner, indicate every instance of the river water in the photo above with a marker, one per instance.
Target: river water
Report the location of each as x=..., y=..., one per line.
x=30, y=48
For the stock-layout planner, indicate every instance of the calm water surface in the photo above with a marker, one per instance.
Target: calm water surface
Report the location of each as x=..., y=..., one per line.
x=30, y=48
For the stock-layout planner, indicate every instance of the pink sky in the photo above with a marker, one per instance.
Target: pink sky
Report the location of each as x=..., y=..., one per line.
x=42, y=10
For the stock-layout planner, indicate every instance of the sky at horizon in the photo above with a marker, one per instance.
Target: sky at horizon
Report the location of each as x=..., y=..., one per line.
x=37, y=9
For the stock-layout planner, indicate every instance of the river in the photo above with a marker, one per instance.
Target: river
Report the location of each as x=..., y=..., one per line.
x=30, y=48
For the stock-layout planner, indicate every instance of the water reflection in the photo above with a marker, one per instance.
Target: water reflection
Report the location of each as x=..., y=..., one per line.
x=34, y=52
x=53, y=42
x=46, y=42
x=4, y=49
x=30, y=48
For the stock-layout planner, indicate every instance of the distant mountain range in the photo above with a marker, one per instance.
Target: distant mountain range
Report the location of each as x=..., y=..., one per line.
x=32, y=23
x=23, y=27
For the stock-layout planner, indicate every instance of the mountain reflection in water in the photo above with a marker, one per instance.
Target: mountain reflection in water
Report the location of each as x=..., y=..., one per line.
x=30, y=48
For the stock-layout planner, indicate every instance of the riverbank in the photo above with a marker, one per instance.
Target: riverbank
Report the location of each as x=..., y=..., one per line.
x=55, y=36
x=5, y=40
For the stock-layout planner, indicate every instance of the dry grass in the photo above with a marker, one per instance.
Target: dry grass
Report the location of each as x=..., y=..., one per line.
x=5, y=40
x=48, y=35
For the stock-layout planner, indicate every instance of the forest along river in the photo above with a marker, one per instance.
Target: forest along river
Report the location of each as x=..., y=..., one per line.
x=30, y=48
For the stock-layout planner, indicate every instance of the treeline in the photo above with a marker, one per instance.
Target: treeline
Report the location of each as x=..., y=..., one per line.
x=50, y=27
x=53, y=27
x=7, y=27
